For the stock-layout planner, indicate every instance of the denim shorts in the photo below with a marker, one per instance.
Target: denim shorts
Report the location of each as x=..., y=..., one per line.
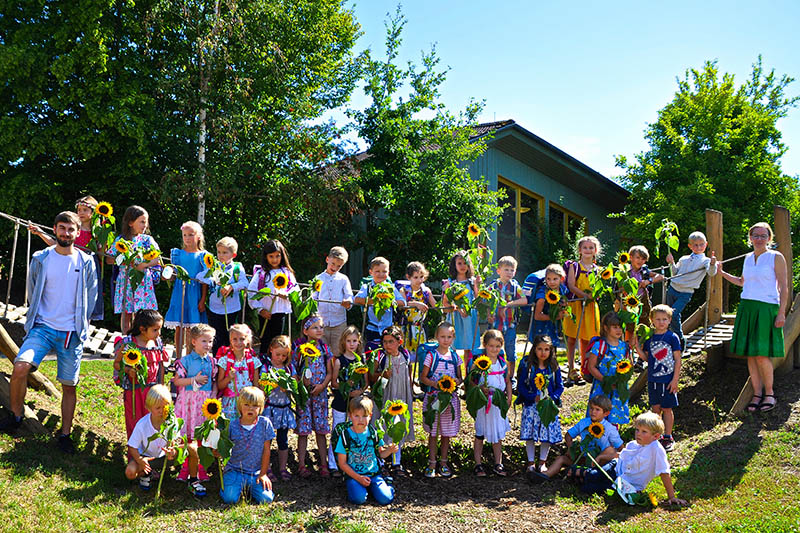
x=42, y=340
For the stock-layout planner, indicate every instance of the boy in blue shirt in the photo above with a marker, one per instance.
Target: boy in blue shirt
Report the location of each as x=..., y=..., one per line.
x=379, y=270
x=662, y=352
x=357, y=450
x=504, y=318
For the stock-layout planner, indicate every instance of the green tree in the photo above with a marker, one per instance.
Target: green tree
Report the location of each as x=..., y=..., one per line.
x=418, y=194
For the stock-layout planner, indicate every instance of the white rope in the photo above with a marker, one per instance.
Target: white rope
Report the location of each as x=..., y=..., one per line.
x=11, y=269
x=27, y=270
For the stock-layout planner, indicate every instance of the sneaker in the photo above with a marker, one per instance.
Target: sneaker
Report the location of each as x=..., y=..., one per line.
x=445, y=471
x=668, y=443
x=10, y=424
x=197, y=489
x=639, y=366
x=65, y=444
x=144, y=482
x=430, y=471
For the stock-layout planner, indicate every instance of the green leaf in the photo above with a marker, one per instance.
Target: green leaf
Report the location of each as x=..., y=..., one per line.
x=673, y=242
x=548, y=411
x=206, y=456
x=476, y=400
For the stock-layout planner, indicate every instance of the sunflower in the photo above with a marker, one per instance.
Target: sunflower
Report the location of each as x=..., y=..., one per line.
x=539, y=381
x=104, y=209
x=623, y=258
x=631, y=301
x=486, y=295
x=208, y=260
x=447, y=384
x=167, y=409
x=596, y=430
x=264, y=383
x=483, y=363
x=132, y=356
x=281, y=281
x=361, y=370
x=309, y=350
x=151, y=254
x=607, y=273
x=396, y=408
x=653, y=499
x=552, y=297
x=212, y=409
x=317, y=285
x=122, y=247
x=461, y=294
x=623, y=367
x=473, y=230
x=383, y=295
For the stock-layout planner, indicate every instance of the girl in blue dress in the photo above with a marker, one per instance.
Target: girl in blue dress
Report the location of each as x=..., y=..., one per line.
x=189, y=256
x=602, y=360
x=465, y=324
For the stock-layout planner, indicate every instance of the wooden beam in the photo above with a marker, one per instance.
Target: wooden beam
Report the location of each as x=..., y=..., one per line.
x=36, y=379
x=783, y=238
x=694, y=321
x=30, y=423
x=714, y=284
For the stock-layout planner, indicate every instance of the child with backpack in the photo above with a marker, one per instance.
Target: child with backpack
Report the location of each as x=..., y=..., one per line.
x=554, y=278
x=357, y=451
x=394, y=363
x=278, y=407
x=439, y=361
x=238, y=368
x=604, y=354
x=490, y=424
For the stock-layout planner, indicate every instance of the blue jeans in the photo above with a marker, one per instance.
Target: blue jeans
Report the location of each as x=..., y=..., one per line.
x=594, y=481
x=236, y=482
x=677, y=301
x=510, y=337
x=42, y=339
x=381, y=491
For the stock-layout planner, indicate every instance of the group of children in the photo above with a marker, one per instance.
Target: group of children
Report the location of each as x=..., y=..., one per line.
x=222, y=362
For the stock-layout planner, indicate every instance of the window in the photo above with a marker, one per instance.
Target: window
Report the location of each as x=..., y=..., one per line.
x=562, y=220
x=520, y=219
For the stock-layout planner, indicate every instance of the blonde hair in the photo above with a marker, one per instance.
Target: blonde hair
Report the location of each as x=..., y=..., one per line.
x=201, y=329
x=156, y=394
x=697, y=236
x=765, y=226
x=661, y=308
x=250, y=396
x=228, y=243
x=198, y=229
x=492, y=335
x=555, y=268
x=639, y=250
x=351, y=330
x=651, y=421
x=338, y=252
x=360, y=403
x=444, y=324
x=379, y=261
x=281, y=341
x=244, y=329
x=598, y=250
x=507, y=260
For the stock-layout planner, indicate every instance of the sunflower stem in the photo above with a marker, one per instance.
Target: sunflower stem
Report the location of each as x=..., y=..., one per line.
x=161, y=478
x=221, y=477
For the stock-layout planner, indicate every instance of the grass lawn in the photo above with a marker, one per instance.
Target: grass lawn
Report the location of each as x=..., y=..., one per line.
x=739, y=475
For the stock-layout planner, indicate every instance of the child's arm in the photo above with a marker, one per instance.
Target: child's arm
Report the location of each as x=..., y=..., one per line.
x=201, y=305
x=118, y=366
x=387, y=450
x=508, y=387
x=638, y=349
x=666, y=479
x=223, y=378
x=425, y=379
x=263, y=478
x=673, y=385
x=334, y=366
x=341, y=460
x=144, y=463
x=572, y=286
x=592, y=366
x=538, y=311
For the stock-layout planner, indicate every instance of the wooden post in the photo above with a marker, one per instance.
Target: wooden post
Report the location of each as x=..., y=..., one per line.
x=714, y=284
x=783, y=237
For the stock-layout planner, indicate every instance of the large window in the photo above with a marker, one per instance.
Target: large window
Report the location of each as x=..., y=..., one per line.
x=562, y=220
x=521, y=218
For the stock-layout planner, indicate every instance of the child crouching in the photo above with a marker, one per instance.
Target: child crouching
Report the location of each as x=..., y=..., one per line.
x=357, y=450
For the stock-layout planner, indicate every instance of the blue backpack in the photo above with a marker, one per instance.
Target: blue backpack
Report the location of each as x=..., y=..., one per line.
x=422, y=352
x=531, y=286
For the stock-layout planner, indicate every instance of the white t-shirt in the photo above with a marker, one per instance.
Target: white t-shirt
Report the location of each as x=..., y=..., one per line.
x=141, y=433
x=61, y=275
x=638, y=465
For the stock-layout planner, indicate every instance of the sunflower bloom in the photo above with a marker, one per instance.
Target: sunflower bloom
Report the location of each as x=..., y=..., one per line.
x=317, y=285
x=486, y=295
x=212, y=408
x=447, y=384
x=122, y=247
x=483, y=363
x=309, y=350
x=361, y=370
x=383, y=296
x=607, y=273
x=552, y=297
x=653, y=499
x=539, y=381
x=104, y=209
x=473, y=230
x=397, y=408
x=151, y=254
x=631, y=301
x=596, y=430
x=132, y=356
x=281, y=281
x=623, y=367
x=208, y=260
x=623, y=258
x=167, y=409
x=461, y=294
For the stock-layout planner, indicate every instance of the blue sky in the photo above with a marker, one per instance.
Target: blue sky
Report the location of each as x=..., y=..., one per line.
x=588, y=76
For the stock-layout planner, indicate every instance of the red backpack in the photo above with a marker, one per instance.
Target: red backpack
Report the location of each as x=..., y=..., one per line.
x=602, y=350
x=251, y=368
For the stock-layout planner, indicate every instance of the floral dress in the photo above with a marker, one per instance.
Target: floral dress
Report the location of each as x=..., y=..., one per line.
x=448, y=364
x=412, y=319
x=466, y=338
x=278, y=407
x=608, y=367
x=145, y=296
x=245, y=372
x=398, y=388
x=156, y=358
x=489, y=422
x=193, y=263
x=530, y=426
x=189, y=404
x=314, y=418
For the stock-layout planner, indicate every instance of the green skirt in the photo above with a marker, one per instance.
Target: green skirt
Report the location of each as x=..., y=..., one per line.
x=754, y=332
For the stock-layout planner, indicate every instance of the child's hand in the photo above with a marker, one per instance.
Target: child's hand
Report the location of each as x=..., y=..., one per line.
x=226, y=291
x=419, y=305
x=713, y=259
x=364, y=481
x=171, y=452
x=780, y=320
x=317, y=389
x=264, y=314
x=391, y=448
x=676, y=501
x=263, y=479
x=346, y=304
x=673, y=386
x=216, y=453
x=131, y=372
x=201, y=379
x=370, y=301
x=387, y=373
x=670, y=259
x=145, y=464
x=463, y=313
x=201, y=306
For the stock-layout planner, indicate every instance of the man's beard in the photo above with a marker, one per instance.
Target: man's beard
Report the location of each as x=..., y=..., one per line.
x=65, y=243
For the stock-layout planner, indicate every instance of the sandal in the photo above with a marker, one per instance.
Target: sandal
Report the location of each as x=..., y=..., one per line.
x=576, y=377
x=764, y=407
x=285, y=475
x=480, y=470
x=430, y=471
x=500, y=470
x=538, y=477
x=304, y=472
x=753, y=406
x=271, y=476
x=445, y=471
x=336, y=473
x=399, y=471
x=324, y=472
x=575, y=473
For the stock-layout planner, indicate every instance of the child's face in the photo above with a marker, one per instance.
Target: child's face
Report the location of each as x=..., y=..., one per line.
x=416, y=279
x=190, y=237
x=645, y=436
x=614, y=332
x=157, y=411
x=445, y=337
x=314, y=331
x=390, y=344
x=249, y=413
x=139, y=225
x=225, y=255
x=493, y=348
x=698, y=246
x=542, y=352
x=153, y=332
x=278, y=356
x=84, y=213
x=202, y=344
x=360, y=419
x=334, y=264
x=588, y=250
x=239, y=341
x=506, y=272
x=461, y=265
x=596, y=413
x=379, y=273
x=637, y=261
x=274, y=259
x=552, y=280
x=351, y=343
x=660, y=322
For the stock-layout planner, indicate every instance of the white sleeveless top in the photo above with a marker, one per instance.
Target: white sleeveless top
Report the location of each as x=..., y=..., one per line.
x=760, y=283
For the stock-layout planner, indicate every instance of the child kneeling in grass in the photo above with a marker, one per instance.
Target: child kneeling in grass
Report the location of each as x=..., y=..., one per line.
x=357, y=450
x=638, y=463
